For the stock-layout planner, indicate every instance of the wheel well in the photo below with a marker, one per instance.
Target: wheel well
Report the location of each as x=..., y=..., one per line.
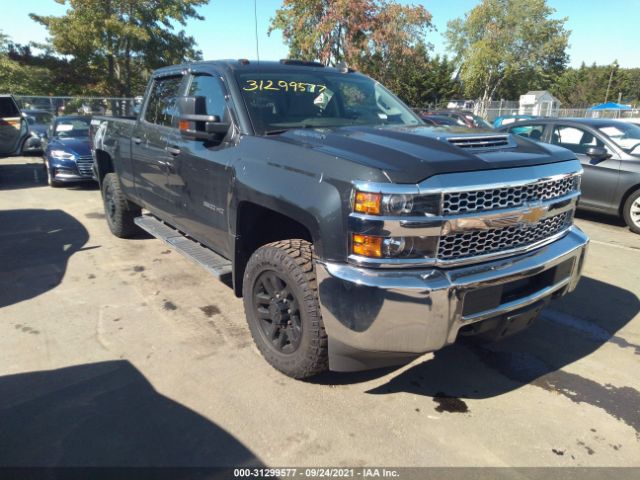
x=104, y=164
x=626, y=195
x=256, y=226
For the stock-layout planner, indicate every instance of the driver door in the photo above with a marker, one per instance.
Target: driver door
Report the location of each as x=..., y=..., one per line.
x=199, y=173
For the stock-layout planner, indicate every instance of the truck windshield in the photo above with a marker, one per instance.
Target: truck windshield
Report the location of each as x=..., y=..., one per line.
x=278, y=101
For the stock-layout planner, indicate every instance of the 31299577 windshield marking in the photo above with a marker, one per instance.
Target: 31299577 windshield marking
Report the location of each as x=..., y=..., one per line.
x=253, y=85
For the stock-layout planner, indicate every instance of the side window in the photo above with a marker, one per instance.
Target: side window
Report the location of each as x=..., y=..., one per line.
x=575, y=139
x=8, y=107
x=211, y=88
x=161, y=106
x=532, y=131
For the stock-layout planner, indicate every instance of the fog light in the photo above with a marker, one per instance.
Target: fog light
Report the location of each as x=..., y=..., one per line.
x=393, y=247
x=367, y=246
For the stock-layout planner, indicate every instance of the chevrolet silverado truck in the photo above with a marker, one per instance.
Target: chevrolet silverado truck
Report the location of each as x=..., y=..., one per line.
x=357, y=236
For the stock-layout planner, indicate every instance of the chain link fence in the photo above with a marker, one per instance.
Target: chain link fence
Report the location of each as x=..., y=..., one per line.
x=112, y=106
x=494, y=109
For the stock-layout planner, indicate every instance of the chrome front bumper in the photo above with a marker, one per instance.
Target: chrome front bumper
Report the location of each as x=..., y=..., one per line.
x=378, y=317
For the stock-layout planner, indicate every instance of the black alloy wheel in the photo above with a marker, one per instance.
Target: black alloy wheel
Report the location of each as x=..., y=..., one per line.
x=278, y=312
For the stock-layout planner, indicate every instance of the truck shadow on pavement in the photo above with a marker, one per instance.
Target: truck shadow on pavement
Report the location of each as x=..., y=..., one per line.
x=15, y=176
x=35, y=246
x=107, y=415
x=570, y=329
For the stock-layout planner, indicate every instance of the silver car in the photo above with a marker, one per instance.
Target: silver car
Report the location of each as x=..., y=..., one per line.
x=609, y=151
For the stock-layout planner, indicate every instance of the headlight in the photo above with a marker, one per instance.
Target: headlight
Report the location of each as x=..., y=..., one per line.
x=396, y=204
x=393, y=209
x=62, y=155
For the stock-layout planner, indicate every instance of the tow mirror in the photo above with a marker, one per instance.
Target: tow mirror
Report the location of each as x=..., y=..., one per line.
x=597, y=154
x=194, y=122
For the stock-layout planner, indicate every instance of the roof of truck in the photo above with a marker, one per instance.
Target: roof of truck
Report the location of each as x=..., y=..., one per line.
x=257, y=65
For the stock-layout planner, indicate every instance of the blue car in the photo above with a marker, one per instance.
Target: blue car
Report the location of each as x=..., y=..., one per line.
x=67, y=155
x=507, y=119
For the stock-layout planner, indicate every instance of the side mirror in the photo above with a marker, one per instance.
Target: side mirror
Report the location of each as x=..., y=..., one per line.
x=194, y=123
x=597, y=154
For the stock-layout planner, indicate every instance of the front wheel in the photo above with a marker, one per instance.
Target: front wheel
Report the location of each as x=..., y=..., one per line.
x=631, y=211
x=119, y=211
x=282, y=308
x=50, y=180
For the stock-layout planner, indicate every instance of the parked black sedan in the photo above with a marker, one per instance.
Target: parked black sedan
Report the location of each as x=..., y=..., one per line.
x=609, y=151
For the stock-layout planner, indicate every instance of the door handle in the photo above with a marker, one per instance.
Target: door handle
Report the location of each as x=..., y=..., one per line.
x=136, y=140
x=173, y=150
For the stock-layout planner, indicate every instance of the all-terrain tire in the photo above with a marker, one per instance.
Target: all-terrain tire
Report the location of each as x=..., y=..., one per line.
x=291, y=263
x=119, y=211
x=631, y=211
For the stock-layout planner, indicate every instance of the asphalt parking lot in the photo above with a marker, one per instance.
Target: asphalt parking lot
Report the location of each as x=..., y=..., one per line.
x=123, y=353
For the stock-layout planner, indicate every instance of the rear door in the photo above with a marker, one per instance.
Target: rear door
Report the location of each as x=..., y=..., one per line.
x=149, y=156
x=600, y=178
x=13, y=127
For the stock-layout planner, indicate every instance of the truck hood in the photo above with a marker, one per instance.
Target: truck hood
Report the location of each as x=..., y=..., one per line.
x=410, y=154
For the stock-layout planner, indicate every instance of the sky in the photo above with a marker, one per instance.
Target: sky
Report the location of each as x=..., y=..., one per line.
x=601, y=31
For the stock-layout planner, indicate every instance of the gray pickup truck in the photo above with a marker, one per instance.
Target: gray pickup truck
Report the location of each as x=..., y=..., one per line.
x=357, y=236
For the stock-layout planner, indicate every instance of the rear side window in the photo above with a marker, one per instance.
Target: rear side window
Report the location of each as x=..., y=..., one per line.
x=532, y=131
x=8, y=107
x=210, y=88
x=161, y=106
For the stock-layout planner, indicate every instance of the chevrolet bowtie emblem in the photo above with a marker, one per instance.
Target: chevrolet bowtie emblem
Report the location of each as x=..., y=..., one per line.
x=533, y=215
x=528, y=216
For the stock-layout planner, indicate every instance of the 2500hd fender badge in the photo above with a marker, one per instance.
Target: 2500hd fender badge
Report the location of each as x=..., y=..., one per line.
x=211, y=206
x=529, y=216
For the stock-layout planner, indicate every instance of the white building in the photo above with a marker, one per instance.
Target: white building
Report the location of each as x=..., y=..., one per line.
x=539, y=102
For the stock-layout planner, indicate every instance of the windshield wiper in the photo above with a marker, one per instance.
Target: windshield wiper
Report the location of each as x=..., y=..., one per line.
x=297, y=127
x=276, y=132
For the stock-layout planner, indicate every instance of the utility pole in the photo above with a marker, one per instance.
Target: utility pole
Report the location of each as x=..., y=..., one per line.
x=613, y=69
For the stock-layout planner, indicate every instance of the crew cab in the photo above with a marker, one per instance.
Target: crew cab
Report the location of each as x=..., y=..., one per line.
x=357, y=236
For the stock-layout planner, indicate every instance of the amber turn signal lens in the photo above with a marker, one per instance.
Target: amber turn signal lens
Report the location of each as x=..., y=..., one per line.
x=368, y=203
x=367, y=246
x=184, y=125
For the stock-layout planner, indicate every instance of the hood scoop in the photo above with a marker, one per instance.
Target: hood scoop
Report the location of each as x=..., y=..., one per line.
x=482, y=142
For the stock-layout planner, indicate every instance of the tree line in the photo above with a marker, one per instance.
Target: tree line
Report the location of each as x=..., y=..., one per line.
x=500, y=49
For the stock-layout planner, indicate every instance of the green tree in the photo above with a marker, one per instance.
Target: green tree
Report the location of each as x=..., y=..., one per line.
x=587, y=85
x=20, y=79
x=125, y=39
x=509, y=45
x=366, y=34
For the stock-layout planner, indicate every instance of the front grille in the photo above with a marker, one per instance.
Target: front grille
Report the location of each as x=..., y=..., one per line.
x=469, y=244
x=478, y=200
x=84, y=166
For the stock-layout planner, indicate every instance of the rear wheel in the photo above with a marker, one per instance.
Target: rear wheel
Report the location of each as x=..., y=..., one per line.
x=281, y=304
x=631, y=211
x=119, y=211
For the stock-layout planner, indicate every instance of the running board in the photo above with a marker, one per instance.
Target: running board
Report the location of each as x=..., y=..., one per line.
x=206, y=258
